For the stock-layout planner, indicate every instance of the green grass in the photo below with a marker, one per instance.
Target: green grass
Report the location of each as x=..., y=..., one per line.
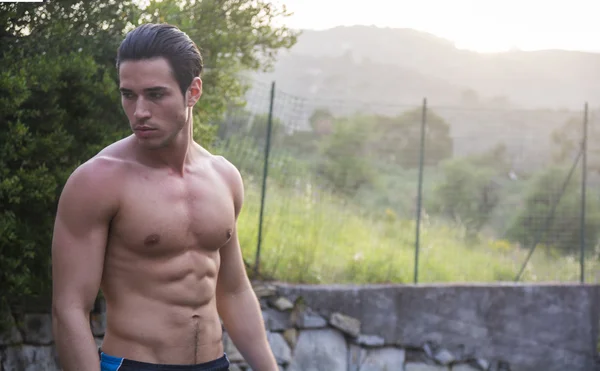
x=310, y=239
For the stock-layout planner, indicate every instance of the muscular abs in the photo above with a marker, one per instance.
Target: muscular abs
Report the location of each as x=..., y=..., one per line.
x=161, y=265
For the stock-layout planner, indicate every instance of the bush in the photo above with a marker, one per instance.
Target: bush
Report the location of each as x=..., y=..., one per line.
x=467, y=195
x=59, y=111
x=344, y=163
x=563, y=232
x=397, y=140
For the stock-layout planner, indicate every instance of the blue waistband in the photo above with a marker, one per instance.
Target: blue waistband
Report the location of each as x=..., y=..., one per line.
x=109, y=363
x=112, y=363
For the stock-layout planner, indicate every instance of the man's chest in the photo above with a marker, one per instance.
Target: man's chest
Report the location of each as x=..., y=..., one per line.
x=166, y=215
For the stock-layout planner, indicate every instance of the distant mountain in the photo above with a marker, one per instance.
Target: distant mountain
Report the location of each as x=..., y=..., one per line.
x=514, y=98
x=403, y=65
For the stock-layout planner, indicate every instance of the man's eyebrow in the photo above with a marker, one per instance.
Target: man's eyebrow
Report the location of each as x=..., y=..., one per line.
x=153, y=89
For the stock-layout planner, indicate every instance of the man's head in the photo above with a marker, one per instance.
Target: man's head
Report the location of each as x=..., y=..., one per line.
x=150, y=41
x=159, y=71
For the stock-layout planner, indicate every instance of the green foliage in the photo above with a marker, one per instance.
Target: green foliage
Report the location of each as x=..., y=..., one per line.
x=567, y=142
x=398, y=139
x=205, y=134
x=562, y=232
x=61, y=27
x=55, y=112
x=259, y=127
x=345, y=164
x=467, y=194
x=494, y=159
x=306, y=143
x=302, y=143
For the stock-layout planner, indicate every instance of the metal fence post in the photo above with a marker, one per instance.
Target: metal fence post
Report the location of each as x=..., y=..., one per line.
x=264, y=180
x=420, y=189
x=583, y=191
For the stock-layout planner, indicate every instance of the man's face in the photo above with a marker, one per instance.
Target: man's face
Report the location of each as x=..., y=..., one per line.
x=155, y=107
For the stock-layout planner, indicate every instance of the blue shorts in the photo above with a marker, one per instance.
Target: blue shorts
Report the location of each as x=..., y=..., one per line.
x=110, y=363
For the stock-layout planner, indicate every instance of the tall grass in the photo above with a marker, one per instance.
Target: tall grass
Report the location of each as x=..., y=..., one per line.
x=314, y=237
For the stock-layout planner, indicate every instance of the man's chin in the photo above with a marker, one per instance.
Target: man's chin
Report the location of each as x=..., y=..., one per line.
x=150, y=144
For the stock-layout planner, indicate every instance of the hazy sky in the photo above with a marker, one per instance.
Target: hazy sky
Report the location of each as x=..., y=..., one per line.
x=482, y=25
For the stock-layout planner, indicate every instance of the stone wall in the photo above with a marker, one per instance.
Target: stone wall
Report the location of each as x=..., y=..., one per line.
x=390, y=328
x=527, y=327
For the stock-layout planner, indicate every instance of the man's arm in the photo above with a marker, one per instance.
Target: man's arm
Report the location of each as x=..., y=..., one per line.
x=236, y=301
x=85, y=209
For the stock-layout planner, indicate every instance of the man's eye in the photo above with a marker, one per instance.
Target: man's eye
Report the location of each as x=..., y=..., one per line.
x=127, y=95
x=156, y=95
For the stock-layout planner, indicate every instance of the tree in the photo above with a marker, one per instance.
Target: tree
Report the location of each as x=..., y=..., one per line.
x=60, y=27
x=567, y=141
x=496, y=158
x=468, y=194
x=535, y=222
x=345, y=162
x=398, y=139
x=258, y=131
x=56, y=116
x=470, y=190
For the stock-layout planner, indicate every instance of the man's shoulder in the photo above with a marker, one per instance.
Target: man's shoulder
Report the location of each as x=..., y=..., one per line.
x=100, y=172
x=100, y=167
x=230, y=174
x=92, y=190
x=99, y=176
x=226, y=169
x=222, y=163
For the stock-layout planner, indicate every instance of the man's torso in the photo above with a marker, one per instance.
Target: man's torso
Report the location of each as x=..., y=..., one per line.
x=162, y=261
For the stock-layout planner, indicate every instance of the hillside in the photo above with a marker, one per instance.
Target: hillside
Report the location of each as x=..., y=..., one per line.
x=404, y=65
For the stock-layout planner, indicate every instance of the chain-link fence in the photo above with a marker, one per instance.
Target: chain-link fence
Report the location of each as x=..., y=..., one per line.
x=344, y=191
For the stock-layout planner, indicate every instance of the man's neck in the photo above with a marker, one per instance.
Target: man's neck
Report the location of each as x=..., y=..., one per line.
x=179, y=153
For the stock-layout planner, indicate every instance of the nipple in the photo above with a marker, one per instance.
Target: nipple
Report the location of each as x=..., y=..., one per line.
x=152, y=239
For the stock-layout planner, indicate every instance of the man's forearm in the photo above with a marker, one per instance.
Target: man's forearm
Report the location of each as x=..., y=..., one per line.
x=244, y=324
x=77, y=350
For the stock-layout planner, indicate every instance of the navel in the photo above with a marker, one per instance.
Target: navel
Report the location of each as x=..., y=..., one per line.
x=152, y=239
x=229, y=233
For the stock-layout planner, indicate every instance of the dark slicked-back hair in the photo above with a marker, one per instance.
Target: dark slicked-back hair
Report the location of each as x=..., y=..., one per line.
x=163, y=40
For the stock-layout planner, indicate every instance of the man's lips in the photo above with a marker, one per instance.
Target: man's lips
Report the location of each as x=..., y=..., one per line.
x=144, y=131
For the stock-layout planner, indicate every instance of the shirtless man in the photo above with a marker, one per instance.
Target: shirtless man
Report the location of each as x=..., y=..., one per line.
x=151, y=221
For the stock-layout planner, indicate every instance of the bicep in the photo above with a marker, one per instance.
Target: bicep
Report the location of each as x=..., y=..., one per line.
x=79, y=241
x=232, y=273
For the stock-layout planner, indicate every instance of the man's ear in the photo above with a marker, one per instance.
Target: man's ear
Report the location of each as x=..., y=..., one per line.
x=194, y=92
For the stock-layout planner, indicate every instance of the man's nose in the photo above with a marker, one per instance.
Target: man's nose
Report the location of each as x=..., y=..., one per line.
x=141, y=109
